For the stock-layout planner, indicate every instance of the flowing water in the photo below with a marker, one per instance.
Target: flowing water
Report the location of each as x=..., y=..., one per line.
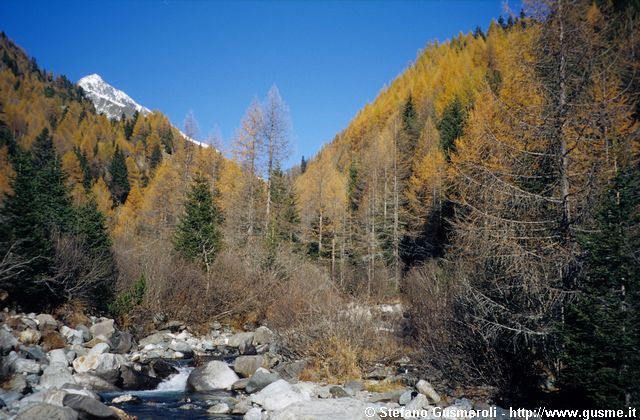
x=171, y=400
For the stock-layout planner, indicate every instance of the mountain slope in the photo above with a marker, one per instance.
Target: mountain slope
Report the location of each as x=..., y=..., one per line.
x=108, y=100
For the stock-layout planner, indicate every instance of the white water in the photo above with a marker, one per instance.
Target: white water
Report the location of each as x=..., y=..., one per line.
x=177, y=381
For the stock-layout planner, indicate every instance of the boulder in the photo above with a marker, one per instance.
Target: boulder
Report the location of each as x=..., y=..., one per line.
x=253, y=414
x=353, y=387
x=425, y=388
x=240, y=384
x=121, y=342
x=163, y=369
x=278, y=395
x=53, y=340
x=244, y=339
x=245, y=366
x=86, y=333
x=260, y=379
x=417, y=403
x=56, y=377
x=137, y=380
x=96, y=340
x=30, y=336
x=213, y=375
x=341, y=409
x=156, y=338
x=21, y=365
x=263, y=335
x=242, y=405
x=220, y=408
x=388, y=396
x=7, y=341
x=103, y=328
x=406, y=397
x=58, y=358
x=88, y=408
x=338, y=392
x=99, y=348
x=93, y=382
x=291, y=371
x=33, y=353
x=46, y=322
x=106, y=366
x=46, y=411
x=181, y=346
x=72, y=336
x=126, y=398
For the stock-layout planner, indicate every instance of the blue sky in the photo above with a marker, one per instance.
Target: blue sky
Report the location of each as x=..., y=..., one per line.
x=213, y=57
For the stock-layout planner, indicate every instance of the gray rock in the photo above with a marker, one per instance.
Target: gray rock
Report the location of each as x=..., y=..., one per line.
x=406, y=397
x=104, y=328
x=241, y=339
x=86, y=333
x=137, y=380
x=263, y=335
x=240, y=384
x=33, y=353
x=88, y=408
x=253, y=414
x=126, y=398
x=7, y=341
x=72, y=336
x=220, y=408
x=46, y=322
x=42, y=411
x=291, y=371
x=21, y=365
x=99, y=348
x=352, y=387
x=56, y=376
x=155, y=338
x=242, y=405
x=260, y=379
x=425, y=388
x=212, y=376
x=106, y=366
x=245, y=366
x=121, y=342
x=417, y=403
x=278, y=395
x=389, y=396
x=338, y=392
x=342, y=409
x=94, y=382
x=58, y=358
x=162, y=368
x=181, y=346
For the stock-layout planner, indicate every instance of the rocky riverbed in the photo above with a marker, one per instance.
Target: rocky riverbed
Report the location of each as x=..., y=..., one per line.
x=50, y=370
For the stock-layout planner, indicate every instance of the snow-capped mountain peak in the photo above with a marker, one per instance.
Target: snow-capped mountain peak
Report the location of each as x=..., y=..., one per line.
x=108, y=100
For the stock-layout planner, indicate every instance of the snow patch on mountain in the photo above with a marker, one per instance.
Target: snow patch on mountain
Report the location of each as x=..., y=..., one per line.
x=113, y=102
x=108, y=100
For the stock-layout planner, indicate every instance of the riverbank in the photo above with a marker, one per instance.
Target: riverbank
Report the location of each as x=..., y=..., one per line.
x=94, y=370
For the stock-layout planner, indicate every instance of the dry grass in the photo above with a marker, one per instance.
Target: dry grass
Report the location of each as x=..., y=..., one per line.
x=383, y=386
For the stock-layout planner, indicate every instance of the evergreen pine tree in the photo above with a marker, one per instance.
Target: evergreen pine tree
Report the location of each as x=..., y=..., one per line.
x=39, y=205
x=285, y=220
x=451, y=126
x=156, y=157
x=198, y=236
x=601, y=331
x=119, y=184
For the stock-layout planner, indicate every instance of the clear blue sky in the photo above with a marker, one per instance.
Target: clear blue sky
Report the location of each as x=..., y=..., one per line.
x=213, y=57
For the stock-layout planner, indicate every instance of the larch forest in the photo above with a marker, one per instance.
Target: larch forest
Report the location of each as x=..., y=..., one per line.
x=491, y=191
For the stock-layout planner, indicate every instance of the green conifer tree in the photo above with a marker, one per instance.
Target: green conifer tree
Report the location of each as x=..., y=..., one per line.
x=451, y=126
x=119, y=184
x=601, y=333
x=198, y=236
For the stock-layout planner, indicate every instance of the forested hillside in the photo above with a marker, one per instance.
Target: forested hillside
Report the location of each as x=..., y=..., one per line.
x=493, y=188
